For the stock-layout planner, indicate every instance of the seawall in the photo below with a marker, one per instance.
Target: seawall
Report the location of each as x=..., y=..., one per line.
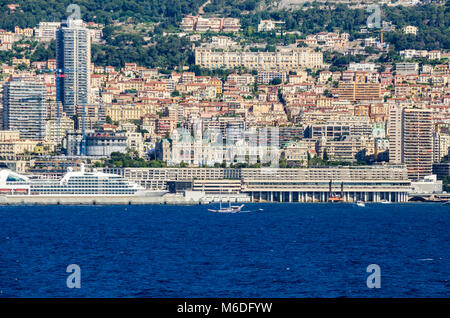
x=172, y=199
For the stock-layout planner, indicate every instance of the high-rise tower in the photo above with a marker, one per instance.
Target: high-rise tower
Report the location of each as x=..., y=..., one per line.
x=24, y=107
x=73, y=54
x=417, y=142
x=411, y=140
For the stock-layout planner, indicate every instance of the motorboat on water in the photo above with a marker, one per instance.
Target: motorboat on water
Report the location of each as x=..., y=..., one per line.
x=385, y=202
x=360, y=204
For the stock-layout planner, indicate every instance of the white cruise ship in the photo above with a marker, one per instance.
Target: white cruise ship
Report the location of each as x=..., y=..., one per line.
x=73, y=183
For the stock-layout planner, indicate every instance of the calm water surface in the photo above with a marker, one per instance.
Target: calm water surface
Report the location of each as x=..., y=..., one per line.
x=285, y=250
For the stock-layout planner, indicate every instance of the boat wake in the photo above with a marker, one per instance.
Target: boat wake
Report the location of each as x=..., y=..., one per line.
x=250, y=211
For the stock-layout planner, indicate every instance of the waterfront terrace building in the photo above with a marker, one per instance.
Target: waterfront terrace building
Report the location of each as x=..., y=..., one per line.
x=284, y=59
x=368, y=183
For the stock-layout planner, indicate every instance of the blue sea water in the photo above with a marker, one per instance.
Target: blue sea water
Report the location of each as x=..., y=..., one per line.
x=285, y=250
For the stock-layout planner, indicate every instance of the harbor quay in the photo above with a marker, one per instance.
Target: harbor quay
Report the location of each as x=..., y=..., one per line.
x=169, y=199
x=318, y=184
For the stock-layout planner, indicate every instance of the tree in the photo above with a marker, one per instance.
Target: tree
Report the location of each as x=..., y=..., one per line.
x=183, y=164
x=44, y=51
x=283, y=163
x=108, y=120
x=276, y=81
x=446, y=183
x=325, y=155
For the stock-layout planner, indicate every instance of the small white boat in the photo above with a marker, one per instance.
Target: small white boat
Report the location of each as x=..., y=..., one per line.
x=385, y=202
x=360, y=204
x=229, y=209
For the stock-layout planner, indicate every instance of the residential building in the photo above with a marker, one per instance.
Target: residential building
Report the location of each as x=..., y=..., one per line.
x=417, y=142
x=268, y=25
x=395, y=128
x=57, y=129
x=356, y=91
x=46, y=31
x=285, y=59
x=410, y=29
x=73, y=52
x=102, y=144
x=24, y=107
x=407, y=68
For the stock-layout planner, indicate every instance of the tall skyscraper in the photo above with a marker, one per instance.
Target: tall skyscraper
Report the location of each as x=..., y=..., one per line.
x=395, y=128
x=73, y=55
x=411, y=140
x=24, y=107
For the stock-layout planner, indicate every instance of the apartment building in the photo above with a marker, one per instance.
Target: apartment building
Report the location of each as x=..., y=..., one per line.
x=394, y=130
x=417, y=142
x=348, y=148
x=214, y=24
x=441, y=144
x=355, y=91
x=410, y=29
x=46, y=31
x=129, y=112
x=73, y=53
x=284, y=59
x=55, y=130
x=407, y=68
x=24, y=107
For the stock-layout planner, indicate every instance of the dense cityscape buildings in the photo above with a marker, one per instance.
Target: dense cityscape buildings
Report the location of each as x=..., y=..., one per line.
x=234, y=149
x=329, y=100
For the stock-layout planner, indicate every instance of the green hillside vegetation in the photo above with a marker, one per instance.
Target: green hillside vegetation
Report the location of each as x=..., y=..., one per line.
x=143, y=39
x=31, y=12
x=433, y=23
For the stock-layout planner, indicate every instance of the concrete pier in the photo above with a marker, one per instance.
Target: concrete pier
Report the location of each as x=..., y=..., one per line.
x=170, y=199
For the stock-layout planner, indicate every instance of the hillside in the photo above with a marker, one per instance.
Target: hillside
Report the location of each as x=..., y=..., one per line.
x=31, y=12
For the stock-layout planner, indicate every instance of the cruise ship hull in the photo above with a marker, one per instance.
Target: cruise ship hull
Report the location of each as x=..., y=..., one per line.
x=79, y=184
